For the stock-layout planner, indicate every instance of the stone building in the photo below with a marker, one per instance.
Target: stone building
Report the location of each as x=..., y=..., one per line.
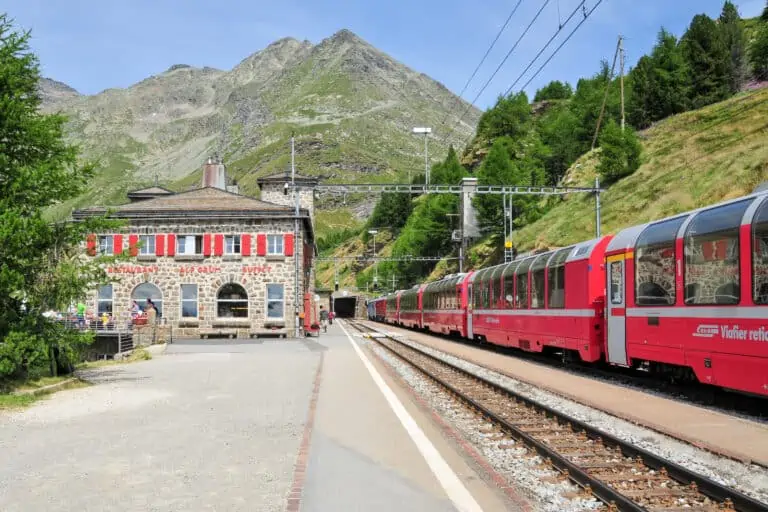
x=213, y=261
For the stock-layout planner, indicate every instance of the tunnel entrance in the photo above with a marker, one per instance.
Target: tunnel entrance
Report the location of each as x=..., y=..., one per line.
x=345, y=307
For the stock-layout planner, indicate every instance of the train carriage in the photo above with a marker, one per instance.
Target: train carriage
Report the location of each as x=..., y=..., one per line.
x=445, y=305
x=550, y=301
x=377, y=309
x=392, y=309
x=410, y=307
x=688, y=295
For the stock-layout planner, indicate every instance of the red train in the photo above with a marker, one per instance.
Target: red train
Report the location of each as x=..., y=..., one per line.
x=687, y=296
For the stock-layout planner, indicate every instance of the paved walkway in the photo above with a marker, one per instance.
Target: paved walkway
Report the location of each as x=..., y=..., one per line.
x=222, y=425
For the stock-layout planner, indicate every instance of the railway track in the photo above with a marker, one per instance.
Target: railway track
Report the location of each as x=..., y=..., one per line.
x=623, y=476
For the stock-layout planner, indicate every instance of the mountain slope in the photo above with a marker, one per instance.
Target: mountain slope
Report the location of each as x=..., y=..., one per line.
x=690, y=160
x=350, y=105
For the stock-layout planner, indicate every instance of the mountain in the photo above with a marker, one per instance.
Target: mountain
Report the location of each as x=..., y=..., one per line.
x=350, y=105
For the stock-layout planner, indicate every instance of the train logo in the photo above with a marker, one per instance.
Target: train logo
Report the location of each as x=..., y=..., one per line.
x=706, y=331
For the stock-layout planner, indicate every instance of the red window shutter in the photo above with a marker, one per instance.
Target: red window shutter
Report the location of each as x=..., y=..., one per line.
x=117, y=243
x=245, y=245
x=261, y=244
x=288, y=244
x=207, y=244
x=159, y=245
x=171, y=245
x=90, y=245
x=133, y=244
x=218, y=245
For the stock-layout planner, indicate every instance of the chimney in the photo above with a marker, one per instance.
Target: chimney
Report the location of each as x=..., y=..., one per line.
x=214, y=173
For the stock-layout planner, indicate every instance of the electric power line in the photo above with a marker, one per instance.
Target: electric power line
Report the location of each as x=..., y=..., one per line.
x=482, y=61
x=498, y=68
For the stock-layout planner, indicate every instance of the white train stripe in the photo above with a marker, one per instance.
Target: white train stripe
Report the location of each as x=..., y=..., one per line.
x=537, y=312
x=736, y=312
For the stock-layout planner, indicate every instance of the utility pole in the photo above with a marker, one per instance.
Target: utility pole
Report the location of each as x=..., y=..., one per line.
x=621, y=78
x=605, y=96
x=597, y=206
x=296, y=238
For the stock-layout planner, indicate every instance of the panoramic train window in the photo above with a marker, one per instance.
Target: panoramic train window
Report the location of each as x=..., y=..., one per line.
x=521, y=275
x=477, y=290
x=655, y=264
x=496, y=297
x=556, y=278
x=537, y=281
x=509, y=284
x=760, y=254
x=711, y=247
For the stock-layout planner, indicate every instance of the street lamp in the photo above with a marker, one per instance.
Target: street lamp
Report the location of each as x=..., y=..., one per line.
x=426, y=131
x=375, y=266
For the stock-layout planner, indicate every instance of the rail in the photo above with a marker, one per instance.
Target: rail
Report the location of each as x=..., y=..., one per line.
x=622, y=499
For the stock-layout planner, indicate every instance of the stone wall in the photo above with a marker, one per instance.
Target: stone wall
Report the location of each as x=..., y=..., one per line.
x=210, y=273
x=274, y=193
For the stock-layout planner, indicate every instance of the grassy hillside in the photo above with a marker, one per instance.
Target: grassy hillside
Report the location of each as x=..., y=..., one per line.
x=690, y=160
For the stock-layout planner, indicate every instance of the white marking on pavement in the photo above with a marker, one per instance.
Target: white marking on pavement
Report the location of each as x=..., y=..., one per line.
x=454, y=488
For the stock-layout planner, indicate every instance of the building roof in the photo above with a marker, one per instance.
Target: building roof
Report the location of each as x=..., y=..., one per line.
x=284, y=177
x=204, y=202
x=149, y=192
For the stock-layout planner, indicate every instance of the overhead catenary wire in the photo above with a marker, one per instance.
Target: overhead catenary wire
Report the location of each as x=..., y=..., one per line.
x=482, y=61
x=496, y=71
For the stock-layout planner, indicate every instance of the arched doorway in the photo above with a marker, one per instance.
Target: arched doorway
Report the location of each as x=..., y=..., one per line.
x=148, y=291
x=232, y=301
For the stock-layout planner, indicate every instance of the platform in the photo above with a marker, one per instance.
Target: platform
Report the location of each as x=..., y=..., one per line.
x=238, y=425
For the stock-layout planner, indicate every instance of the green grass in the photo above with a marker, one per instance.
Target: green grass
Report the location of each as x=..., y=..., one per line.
x=139, y=354
x=689, y=161
x=32, y=388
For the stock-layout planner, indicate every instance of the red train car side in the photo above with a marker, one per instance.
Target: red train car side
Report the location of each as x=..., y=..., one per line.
x=445, y=305
x=410, y=307
x=688, y=295
x=547, y=301
x=392, y=311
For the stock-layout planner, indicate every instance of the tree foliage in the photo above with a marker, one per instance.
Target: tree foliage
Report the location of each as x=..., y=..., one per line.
x=41, y=267
x=554, y=90
x=758, y=55
x=709, y=61
x=734, y=39
x=510, y=116
x=619, y=152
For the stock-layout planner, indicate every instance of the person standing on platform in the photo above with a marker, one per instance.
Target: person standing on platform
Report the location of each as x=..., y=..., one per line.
x=151, y=312
x=324, y=318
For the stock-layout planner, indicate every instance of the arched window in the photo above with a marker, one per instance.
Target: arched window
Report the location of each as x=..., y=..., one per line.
x=232, y=301
x=148, y=291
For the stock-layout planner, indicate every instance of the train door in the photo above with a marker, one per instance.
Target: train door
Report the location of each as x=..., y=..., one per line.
x=616, y=310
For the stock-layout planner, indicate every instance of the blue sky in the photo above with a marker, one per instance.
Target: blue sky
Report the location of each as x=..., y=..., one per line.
x=96, y=44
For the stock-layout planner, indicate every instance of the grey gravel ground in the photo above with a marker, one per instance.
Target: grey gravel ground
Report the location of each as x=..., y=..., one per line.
x=523, y=468
x=203, y=427
x=747, y=478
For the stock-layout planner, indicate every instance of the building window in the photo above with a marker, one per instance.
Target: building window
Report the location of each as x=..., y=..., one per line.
x=189, y=244
x=106, y=245
x=104, y=303
x=148, y=291
x=275, y=244
x=275, y=302
x=232, y=244
x=189, y=301
x=147, y=245
x=655, y=264
x=711, y=248
x=232, y=301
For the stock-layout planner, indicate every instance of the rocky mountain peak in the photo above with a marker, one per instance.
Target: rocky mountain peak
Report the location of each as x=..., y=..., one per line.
x=54, y=92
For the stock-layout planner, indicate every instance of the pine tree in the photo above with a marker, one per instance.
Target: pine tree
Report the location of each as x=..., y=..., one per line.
x=40, y=263
x=554, y=90
x=758, y=53
x=496, y=170
x=640, y=104
x=619, y=153
x=764, y=16
x=735, y=42
x=670, y=78
x=708, y=60
x=510, y=116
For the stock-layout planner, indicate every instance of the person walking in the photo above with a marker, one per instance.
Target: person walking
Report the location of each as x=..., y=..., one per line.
x=324, y=319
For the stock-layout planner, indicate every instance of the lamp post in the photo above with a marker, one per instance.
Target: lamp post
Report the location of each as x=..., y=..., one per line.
x=426, y=131
x=375, y=265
